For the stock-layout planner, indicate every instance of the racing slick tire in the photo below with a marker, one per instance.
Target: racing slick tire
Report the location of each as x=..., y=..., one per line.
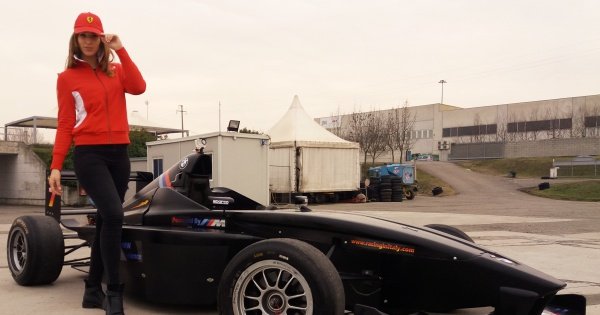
x=450, y=230
x=35, y=250
x=276, y=275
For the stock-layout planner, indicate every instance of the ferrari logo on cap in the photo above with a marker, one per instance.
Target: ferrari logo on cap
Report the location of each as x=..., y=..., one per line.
x=90, y=19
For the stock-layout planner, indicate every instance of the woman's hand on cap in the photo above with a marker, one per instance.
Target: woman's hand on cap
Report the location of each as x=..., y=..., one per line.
x=113, y=41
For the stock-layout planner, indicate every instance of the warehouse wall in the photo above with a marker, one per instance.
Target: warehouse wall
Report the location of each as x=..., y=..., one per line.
x=553, y=147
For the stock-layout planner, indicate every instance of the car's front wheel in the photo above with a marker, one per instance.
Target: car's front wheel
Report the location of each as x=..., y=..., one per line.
x=35, y=250
x=280, y=276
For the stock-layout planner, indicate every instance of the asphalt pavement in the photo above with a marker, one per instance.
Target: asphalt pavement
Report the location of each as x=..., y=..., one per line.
x=561, y=238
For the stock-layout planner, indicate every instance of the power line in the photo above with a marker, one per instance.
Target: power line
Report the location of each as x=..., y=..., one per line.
x=180, y=110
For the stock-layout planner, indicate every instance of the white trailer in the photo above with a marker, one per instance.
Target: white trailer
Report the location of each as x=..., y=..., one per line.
x=307, y=159
x=239, y=160
x=323, y=170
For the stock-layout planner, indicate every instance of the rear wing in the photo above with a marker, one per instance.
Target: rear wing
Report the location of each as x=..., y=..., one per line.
x=53, y=205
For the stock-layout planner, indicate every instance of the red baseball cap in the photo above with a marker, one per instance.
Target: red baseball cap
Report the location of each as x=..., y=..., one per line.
x=88, y=22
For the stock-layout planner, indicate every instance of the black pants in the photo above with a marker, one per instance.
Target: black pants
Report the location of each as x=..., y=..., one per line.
x=103, y=171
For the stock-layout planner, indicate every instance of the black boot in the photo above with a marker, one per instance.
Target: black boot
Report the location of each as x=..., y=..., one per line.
x=114, y=300
x=93, y=297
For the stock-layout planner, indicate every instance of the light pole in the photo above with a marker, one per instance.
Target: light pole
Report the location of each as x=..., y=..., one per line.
x=147, y=109
x=442, y=83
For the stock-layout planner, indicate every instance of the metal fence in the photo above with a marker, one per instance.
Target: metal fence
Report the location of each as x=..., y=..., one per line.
x=16, y=134
x=580, y=166
x=476, y=151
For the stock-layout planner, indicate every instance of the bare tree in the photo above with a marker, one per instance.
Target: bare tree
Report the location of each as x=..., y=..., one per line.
x=400, y=125
x=368, y=130
x=521, y=134
x=336, y=124
x=393, y=129
x=512, y=135
x=554, y=130
x=501, y=128
x=357, y=131
x=407, y=124
x=377, y=135
x=534, y=116
x=578, y=129
x=477, y=138
x=593, y=126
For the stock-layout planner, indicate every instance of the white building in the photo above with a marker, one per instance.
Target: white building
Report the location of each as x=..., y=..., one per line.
x=439, y=127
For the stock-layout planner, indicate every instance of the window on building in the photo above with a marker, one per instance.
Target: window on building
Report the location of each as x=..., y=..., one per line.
x=469, y=130
x=453, y=132
x=540, y=125
x=491, y=129
x=157, y=167
x=592, y=121
x=566, y=123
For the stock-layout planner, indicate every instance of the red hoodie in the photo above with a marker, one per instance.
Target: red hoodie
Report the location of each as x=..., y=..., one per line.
x=91, y=105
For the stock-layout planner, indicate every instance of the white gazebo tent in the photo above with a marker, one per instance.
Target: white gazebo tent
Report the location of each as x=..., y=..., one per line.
x=306, y=158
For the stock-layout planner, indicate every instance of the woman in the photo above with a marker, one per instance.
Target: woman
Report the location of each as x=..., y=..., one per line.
x=92, y=114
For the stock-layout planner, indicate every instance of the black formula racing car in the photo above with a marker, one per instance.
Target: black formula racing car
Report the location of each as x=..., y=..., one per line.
x=187, y=243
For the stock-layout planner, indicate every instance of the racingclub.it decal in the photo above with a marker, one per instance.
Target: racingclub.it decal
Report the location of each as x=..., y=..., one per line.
x=197, y=222
x=382, y=246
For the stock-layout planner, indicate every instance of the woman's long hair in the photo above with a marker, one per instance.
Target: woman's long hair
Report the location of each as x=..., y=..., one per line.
x=105, y=56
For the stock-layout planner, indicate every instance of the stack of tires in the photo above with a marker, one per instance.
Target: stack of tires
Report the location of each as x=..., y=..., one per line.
x=385, y=189
x=373, y=189
x=397, y=191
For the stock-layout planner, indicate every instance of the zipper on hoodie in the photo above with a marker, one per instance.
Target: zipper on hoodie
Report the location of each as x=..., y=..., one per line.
x=105, y=106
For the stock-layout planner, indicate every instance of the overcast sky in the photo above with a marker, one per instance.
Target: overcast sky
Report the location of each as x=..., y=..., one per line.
x=337, y=56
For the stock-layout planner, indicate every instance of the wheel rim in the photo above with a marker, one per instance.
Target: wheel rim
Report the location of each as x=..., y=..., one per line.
x=17, y=251
x=272, y=287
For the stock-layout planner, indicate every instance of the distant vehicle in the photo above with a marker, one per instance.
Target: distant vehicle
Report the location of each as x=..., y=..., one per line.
x=186, y=243
x=425, y=157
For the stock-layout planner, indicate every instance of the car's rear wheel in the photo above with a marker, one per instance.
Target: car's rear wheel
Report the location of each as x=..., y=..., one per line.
x=35, y=250
x=450, y=230
x=280, y=276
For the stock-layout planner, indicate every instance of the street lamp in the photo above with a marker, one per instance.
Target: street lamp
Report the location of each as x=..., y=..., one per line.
x=442, y=83
x=234, y=125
